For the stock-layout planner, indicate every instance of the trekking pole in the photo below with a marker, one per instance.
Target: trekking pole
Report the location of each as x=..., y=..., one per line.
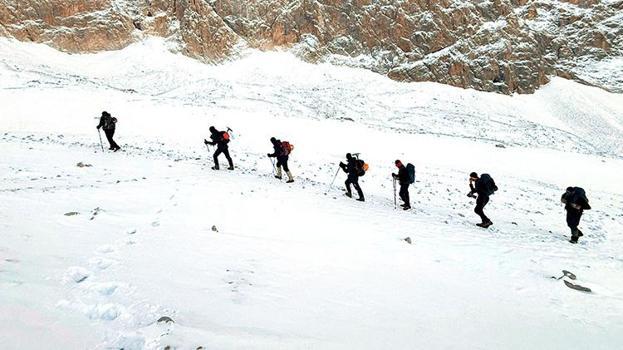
x=100, y=135
x=394, y=182
x=334, y=177
x=272, y=161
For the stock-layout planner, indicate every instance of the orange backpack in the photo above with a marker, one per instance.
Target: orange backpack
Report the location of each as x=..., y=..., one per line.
x=287, y=147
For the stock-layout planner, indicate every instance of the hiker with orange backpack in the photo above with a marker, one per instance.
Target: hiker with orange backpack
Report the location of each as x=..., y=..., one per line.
x=282, y=150
x=221, y=140
x=355, y=168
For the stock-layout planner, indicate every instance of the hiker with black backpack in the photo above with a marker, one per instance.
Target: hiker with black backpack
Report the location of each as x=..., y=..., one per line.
x=575, y=203
x=405, y=177
x=484, y=186
x=355, y=168
x=108, y=123
x=282, y=151
x=221, y=140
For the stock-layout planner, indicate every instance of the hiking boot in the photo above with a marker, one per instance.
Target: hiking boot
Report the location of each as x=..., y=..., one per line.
x=215, y=168
x=348, y=194
x=487, y=224
x=482, y=224
x=116, y=149
x=230, y=168
x=406, y=207
x=361, y=199
x=277, y=177
x=289, y=181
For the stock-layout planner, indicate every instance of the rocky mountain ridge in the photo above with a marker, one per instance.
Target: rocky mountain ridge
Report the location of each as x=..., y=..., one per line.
x=505, y=46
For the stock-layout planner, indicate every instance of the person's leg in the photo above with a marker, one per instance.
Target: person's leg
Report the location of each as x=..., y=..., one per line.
x=481, y=201
x=347, y=183
x=573, y=221
x=404, y=195
x=109, y=134
x=355, y=182
x=215, y=156
x=113, y=143
x=279, y=164
x=229, y=160
x=287, y=169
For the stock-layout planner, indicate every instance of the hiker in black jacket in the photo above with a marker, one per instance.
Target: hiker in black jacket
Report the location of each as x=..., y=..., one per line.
x=480, y=187
x=282, y=156
x=575, y=203
x=220, y=139
x=404, y=181
x=353, y=177
x=107, y=122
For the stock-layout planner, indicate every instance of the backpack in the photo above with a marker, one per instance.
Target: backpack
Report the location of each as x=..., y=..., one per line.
x=411, y=172
x=287, y=148
x=225, y=136
x=488, y=184
x=579, y=197
x=361, y=167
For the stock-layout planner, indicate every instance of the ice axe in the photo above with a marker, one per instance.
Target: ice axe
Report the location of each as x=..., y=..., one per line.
x=230, y=132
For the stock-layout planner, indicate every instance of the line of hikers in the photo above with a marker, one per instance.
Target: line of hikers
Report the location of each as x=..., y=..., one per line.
x=481, y=187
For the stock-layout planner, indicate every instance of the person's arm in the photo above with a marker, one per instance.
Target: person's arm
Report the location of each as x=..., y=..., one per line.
x=275, y=152
x=343, y=166
x=101, y=123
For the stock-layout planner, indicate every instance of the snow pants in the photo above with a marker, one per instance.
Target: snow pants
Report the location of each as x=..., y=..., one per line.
x=481, y=201
x=354, y=180
x=225, y=150
x=109, y=134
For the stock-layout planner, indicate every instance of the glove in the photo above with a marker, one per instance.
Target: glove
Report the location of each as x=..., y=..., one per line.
x=471, y=195
x=342, y=164
x=205, y=141
x=98, y=127
x=394, y=175
x=268, y=154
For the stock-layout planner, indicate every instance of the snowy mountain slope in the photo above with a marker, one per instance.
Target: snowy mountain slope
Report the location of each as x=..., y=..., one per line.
x=296, y=266
x=560, y=116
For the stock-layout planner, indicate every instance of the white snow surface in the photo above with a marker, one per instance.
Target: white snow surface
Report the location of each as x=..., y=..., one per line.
x=91, y=257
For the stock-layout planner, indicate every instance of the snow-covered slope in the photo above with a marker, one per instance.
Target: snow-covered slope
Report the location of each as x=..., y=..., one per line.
x=297, y=266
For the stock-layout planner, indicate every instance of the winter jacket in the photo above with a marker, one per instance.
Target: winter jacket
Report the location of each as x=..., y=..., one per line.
x=107, y=122
x=278, y=149
x=403, y=176
x=351, y=167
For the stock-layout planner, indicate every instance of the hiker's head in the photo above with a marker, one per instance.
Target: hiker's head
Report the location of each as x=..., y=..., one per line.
x=569, y=189
x=349, y=156
x=398, y=163
x=105, y=114
x=273, y=140
x=473, y=176
x=212, y=129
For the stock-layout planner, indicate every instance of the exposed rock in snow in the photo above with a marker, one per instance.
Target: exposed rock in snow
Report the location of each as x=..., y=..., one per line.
x=501, y=45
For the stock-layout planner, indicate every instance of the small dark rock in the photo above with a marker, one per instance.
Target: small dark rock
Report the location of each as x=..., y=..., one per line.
x=165, y=319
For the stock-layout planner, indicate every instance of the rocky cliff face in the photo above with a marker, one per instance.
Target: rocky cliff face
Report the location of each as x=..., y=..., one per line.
x=504, y=46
